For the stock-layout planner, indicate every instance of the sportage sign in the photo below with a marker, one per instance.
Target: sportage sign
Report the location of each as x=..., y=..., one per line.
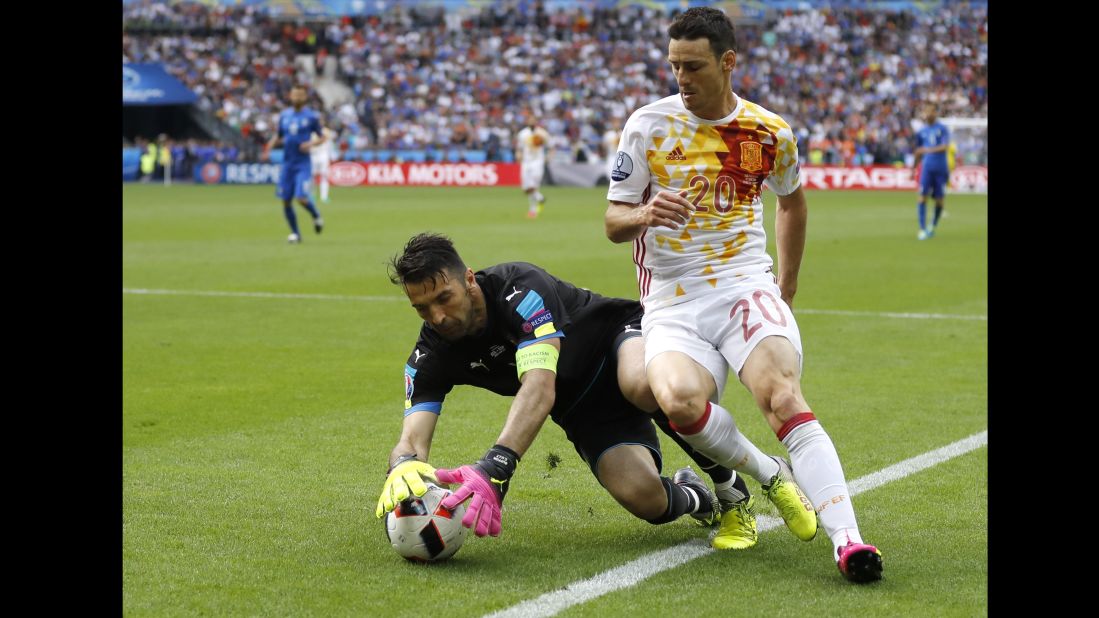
x=964, y=179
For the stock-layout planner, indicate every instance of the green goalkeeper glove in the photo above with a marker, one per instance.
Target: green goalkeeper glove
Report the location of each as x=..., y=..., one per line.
x=404, y=480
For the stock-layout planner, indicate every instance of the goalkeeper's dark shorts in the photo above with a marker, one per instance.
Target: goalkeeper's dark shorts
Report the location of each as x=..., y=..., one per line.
x=603, y=419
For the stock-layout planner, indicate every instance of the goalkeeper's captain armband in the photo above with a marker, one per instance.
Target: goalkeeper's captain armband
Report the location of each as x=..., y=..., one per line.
x=537, y=356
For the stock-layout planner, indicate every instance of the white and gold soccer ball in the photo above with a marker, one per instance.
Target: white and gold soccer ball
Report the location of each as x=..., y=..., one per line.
x=421, y=530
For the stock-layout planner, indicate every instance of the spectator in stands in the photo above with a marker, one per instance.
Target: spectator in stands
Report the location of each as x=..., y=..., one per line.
x=815, y=67
x=162, y=158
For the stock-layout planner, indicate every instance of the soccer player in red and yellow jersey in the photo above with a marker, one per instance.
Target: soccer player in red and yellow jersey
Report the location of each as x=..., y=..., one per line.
x=686, y=189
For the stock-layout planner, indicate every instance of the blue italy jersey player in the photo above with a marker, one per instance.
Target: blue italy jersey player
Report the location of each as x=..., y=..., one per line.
x=297, y=127
x=932, y=142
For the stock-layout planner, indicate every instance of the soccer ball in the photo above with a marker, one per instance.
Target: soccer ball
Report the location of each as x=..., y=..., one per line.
x=421, y=530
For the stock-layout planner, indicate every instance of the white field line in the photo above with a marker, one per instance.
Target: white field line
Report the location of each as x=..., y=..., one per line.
x=153, y=292
x=635, y=571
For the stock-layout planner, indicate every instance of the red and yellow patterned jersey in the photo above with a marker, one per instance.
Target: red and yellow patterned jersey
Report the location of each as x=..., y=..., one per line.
x=723, y=164
x=532, y=144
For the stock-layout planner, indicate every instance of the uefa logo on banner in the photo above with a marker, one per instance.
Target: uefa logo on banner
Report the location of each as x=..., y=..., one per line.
x=211, y=173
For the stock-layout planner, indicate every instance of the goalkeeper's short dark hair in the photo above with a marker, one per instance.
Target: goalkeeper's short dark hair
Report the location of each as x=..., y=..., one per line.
x=425, y=256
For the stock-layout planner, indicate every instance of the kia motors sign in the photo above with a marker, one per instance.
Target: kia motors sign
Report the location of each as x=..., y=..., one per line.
x=346, y=174
x=354, y=173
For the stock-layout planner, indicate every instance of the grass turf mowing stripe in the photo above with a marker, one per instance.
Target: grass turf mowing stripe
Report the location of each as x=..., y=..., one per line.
x=910, y=316
x=635, y=571
x=256, y=294
x=913, y=316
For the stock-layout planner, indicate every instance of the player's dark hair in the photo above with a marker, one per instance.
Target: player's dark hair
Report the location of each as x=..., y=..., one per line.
x=424, y=257
x=703, y=22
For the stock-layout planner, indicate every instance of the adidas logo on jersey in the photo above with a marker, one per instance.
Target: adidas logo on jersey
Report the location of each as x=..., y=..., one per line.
x=677, y=154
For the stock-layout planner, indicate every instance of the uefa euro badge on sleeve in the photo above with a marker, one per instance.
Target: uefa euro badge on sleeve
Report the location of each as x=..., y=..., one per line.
x=623, y=167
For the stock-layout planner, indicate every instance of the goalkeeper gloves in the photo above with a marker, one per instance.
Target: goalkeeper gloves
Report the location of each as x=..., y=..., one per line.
x=487, y=481
x=404, y=480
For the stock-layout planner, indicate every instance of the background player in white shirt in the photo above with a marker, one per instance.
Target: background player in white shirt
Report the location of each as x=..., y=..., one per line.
x=685, y=187
x=530, y=151
x=321, y=156
x=611, y=137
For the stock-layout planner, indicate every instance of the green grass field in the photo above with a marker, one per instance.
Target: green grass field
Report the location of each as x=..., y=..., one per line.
x=256, y=428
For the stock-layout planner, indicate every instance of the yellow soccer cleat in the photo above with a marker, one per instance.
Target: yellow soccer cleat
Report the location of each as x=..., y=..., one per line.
x=738, y=526
x=795, y=508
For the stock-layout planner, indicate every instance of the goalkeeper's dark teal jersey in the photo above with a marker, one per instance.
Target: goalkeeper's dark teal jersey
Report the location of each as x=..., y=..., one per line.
x=524, y=305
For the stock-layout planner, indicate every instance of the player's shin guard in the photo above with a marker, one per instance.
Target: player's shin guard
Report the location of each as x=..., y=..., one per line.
x=716, y=436
x=818, y=472
x=680, y=502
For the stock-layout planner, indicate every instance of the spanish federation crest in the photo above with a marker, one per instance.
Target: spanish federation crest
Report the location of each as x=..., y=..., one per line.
x=751, y=156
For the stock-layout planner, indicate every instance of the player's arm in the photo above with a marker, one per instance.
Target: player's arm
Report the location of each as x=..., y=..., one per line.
x=276, y=139
x=533, y=402
x=488, y=480
x=274, y=142
x=624, y=222
x=791, y=218
x=321, y=135
x=416, y=434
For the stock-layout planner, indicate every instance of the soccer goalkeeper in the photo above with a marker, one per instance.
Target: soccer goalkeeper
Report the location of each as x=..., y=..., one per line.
x=562, y=352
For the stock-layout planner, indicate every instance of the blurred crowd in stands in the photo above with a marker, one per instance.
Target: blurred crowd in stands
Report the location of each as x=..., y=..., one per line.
x=848, y=80
x=184, y=155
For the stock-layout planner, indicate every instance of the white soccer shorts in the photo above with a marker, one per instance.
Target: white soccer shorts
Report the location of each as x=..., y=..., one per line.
x=531, y=174
x=719, y=330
